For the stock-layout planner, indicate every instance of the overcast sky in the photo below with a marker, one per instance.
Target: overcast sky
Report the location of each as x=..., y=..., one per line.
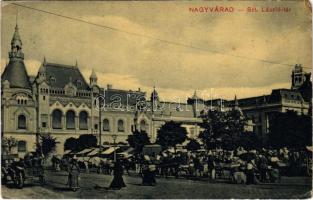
x=129, y=62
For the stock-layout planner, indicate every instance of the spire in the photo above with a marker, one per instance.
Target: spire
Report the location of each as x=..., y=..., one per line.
x=93, y=74
x=236, y=101
x=76, y=64
x=154, y=99
x=16, y=46
x=195, y=96
x=16, y=39
x=154, y=93
x=15, y=72
x=93, y=78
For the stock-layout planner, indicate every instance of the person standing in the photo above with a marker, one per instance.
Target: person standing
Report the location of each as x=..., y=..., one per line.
x=250, y=173
x=73, y=176
x=118, y=181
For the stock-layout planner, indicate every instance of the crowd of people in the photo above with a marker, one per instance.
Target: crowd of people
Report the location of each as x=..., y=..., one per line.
x=237, y=166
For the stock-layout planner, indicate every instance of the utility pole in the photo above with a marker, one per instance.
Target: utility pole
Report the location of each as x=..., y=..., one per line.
x=100, y=127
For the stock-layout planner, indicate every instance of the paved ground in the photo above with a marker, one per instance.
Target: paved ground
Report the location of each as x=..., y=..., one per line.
x=95, y=186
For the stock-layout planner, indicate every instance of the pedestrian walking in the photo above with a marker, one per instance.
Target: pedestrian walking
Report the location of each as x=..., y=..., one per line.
x=118, y=181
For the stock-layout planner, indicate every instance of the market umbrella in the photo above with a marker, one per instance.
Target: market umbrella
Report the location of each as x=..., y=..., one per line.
x=247, y=156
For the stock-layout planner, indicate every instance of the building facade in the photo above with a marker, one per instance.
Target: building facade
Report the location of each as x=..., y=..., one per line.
x=60, y=102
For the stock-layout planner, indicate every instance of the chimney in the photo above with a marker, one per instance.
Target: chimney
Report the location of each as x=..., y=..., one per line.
x=109, y=86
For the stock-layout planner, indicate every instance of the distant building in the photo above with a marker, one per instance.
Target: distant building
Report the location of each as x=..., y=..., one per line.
x=258, y=109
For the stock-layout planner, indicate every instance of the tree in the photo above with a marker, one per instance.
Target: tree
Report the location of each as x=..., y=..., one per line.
x=70, y=144
x=87, y=141
x=290, y=130
x=193, y=145
x=9, y=142
x=47, y=144
x=138, y=139
x=171, y=134
x=250, y=140
x=224, y=126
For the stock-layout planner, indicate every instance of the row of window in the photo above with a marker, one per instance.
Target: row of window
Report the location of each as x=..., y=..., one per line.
x=22, y=101
x=70, y=122
x=83, y=94
x=78, y=82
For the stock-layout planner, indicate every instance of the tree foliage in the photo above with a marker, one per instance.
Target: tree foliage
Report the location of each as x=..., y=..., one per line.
x=193, y=145
x=70, y=144
x=171, y=134
x=47, y=144
x=87, y=141
x=290, y=130
x=224, y=126
x=138, y=139
x=9, y=142
x=84, y=141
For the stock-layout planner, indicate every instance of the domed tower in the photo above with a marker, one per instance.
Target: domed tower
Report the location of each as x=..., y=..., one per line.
x=154, y=99
x=18, y=105
x=15, y=72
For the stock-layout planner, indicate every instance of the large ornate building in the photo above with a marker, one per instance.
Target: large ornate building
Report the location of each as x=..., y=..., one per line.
x=59, y=101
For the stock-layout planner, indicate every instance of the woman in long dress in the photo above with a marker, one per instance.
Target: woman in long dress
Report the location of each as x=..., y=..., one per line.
x=73, y=175
x=117, y=182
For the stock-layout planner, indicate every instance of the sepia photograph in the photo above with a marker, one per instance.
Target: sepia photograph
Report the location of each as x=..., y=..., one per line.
x=156, y=99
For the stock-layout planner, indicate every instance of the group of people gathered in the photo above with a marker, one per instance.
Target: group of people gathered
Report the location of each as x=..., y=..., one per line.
x=239, y=165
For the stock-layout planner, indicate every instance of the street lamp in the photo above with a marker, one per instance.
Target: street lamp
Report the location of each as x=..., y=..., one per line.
x=114, y=136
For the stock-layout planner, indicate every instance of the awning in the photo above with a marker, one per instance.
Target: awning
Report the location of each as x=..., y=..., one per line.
x=83, y=159
x=109, y=151
x=67, y=152
x=129, y=150
x=84, y=151
x=309, y=148
x=93, y=152
x=127, y=153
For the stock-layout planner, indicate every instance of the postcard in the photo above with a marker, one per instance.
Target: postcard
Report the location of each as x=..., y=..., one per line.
x=156, y=99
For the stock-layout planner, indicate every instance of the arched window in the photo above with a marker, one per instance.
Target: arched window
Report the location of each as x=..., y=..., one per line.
x=106, y=125
x=83, y=120
x=21, y=122
x=57, y=119
x=70, y=119
x=120, y=126
x=21, y=146
x=143, y=125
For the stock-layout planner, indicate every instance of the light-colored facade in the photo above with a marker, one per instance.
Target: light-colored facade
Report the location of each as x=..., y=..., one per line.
x=58, y=101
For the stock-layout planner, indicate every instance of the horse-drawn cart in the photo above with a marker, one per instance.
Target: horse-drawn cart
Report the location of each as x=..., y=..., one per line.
x=20, y=171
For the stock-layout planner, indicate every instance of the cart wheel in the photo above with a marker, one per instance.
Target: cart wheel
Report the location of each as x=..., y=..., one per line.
x=19, y=181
